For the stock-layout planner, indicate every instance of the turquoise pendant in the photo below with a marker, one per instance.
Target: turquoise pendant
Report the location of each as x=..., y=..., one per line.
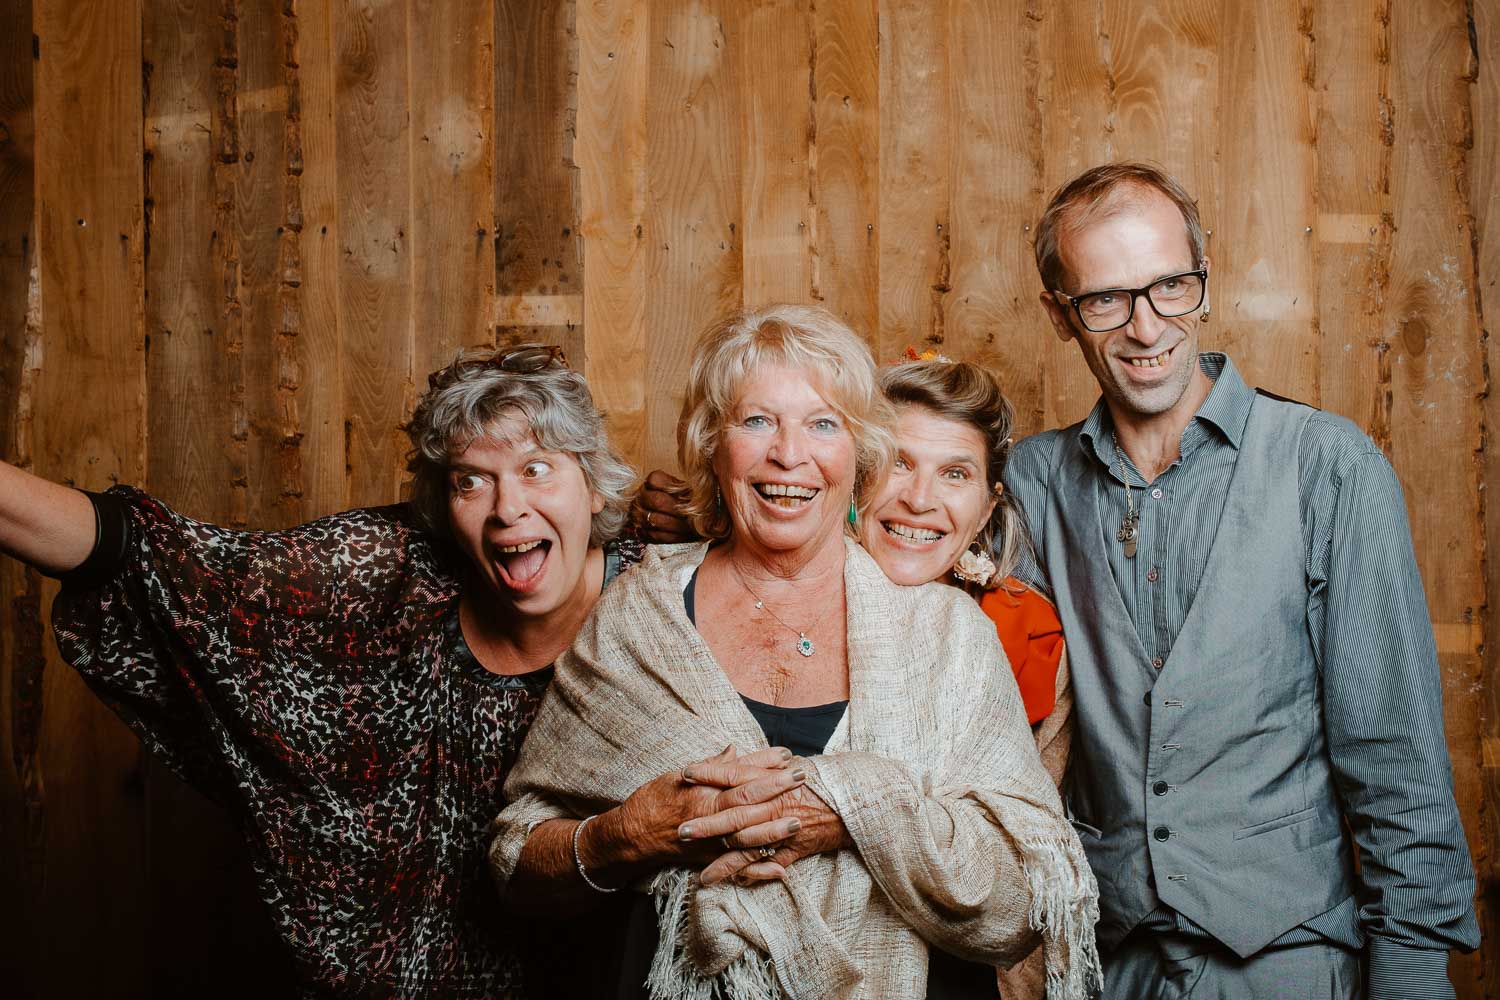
x=804, y=645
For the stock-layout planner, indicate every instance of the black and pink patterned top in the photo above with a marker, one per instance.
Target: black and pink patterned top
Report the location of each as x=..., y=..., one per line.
x=316, y=683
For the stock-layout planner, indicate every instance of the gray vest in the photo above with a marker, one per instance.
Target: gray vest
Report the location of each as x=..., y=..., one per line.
x=1205, y=785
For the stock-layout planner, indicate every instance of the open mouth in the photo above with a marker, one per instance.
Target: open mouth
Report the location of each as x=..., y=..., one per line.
x=783, y=495
x=911, y=535
x=1154, y=361
x=522, y=562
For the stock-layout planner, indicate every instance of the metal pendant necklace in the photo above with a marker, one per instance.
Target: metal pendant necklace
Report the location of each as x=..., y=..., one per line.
x=1127, y=535
x=804, y=644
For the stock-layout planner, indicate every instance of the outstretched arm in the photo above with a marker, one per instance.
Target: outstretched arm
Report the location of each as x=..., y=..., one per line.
x=43, y=523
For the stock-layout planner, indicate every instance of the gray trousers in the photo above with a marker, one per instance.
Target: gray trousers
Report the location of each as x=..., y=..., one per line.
x=1171, y=966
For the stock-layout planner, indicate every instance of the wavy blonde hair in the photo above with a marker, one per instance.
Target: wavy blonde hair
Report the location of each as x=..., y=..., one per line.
x=805, y=338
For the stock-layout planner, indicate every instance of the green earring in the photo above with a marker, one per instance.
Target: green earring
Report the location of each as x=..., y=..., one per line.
x=853, y=515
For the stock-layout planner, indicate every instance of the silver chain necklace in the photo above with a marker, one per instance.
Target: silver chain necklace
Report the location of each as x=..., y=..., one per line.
x=804, y=644
x=1127, y=536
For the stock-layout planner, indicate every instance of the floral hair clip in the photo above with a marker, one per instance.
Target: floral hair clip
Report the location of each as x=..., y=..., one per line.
x=911, y=354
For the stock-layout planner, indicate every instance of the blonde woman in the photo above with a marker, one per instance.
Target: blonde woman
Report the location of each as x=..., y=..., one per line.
x=918, y=819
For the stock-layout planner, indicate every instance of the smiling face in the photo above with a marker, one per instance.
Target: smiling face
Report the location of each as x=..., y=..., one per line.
x=522, y=516
x=785, y=464
x=1145, y=367
x=934, y=501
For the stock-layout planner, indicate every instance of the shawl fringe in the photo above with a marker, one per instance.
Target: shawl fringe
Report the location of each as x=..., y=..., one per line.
x=673, y=975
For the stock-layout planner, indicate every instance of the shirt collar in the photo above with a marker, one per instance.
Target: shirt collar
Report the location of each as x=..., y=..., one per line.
x=1226, y=409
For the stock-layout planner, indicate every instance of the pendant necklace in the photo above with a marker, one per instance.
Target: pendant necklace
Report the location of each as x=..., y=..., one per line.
x=804, y=644
x=1127, y=535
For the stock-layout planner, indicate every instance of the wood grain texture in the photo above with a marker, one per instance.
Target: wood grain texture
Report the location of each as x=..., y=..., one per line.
x=1484, y=202
x=19, y=603
x=381, y=182
x=914, y=176
x=537, y=244
x=312, y=303
x=1265, y=312
x=453, y=193
x=693, y=223
x=1436, y=369
x=375, y=272
x=991, y=313
x=84, y=770
x=771, y=43
x=846, y=179
x=614, y=42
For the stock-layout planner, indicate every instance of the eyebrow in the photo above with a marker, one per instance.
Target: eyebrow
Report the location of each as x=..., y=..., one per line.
x=1123, y=288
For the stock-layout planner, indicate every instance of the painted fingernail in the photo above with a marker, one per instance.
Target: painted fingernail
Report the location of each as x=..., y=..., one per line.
x=687, y=774
x=799, y=775
x=684, y=832
x=794, y=826
x=786, y=754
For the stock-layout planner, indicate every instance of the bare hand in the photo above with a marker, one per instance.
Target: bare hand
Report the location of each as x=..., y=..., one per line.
x=657, y=510
x=657, y=824
x=802, y=825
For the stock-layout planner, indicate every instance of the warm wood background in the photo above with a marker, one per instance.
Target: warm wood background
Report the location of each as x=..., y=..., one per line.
x=235, y=234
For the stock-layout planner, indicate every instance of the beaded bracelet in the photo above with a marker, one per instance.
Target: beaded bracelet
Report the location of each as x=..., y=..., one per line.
x=578, y=862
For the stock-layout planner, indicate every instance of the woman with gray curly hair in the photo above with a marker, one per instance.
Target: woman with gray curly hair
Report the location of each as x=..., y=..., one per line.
x=917, y=842
x=356, y=689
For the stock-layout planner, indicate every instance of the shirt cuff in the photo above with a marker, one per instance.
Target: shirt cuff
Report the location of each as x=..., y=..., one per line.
x=111, y=543
x=1401, y=972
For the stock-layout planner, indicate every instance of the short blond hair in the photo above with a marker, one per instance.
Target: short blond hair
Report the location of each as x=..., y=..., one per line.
x=1102, y=191
x=808, y=339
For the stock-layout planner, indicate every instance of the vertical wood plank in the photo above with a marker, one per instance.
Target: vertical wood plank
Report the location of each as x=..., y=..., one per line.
x=1079, y=110
x=772, y=44
x=992, y=316
x=1484, y=234
x=313, y=304
x=374, y=185
x=613, y=56
x=846, y=115
x=20, y=632
x=453, y=186
x=914, y=176
x=1435, y=364
x=538, y=249
x=85, y=766
x=693, y=223
x=1266, y=306
x=265, y=219
x=1354, y=227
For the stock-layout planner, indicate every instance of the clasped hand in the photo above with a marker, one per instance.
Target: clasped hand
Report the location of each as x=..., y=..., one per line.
x=741, y=817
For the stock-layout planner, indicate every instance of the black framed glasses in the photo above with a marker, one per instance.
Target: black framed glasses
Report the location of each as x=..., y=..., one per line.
x=1112, y=308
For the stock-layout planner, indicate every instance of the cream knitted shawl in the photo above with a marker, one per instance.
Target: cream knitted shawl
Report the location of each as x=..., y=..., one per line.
x=959, y=833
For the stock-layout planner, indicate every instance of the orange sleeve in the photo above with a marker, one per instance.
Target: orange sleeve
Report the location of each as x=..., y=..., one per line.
x=1032, y=636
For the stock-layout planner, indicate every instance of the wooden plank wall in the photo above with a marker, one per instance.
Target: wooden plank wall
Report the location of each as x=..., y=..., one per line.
x=235, y=236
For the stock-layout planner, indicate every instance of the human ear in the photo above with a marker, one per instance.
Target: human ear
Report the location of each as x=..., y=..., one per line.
x=1058, y=314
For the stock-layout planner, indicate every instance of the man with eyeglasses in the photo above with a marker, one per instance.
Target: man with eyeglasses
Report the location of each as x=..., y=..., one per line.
x=1257, y=692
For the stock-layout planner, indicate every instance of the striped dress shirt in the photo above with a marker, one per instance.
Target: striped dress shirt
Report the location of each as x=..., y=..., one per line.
x=1368, y=620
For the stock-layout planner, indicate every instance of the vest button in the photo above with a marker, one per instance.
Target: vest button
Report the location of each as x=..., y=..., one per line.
x=1161, y=833
x=1160, y=788
x=1157, y=661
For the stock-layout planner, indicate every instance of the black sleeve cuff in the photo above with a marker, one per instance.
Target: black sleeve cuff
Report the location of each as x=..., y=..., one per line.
x=111, y=542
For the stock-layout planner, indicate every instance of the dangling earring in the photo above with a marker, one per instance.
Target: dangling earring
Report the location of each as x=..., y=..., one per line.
x=853, y=514
x=1204, y=316
x=975, y=565
x=718, y=501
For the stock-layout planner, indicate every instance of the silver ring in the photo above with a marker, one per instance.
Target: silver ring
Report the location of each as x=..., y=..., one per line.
x=766, y=851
